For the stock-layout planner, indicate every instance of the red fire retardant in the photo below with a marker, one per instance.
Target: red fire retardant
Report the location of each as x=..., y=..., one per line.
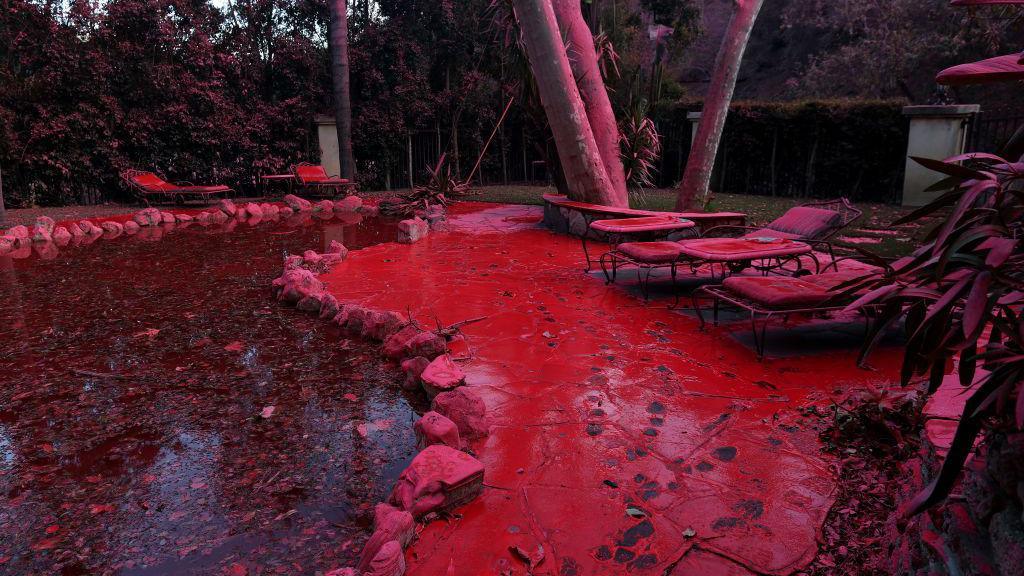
x=998, y=69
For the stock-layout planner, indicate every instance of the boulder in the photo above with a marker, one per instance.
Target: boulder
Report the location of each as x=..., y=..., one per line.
x=297, y=204
x=46, y=250
x=61, y=236
x=41, y=235
x=336, y=247
x=45, y=223
x=355, y=316
x=397, y=345
x=413, y=368
x=438, y=479
x=328, y=306
x=380, y=325
x=433, y=428
x=146, y=217
x=228, y=207
x=19, y=231
x=413, y=230
x=130, y=227
x=369, y=210
x=286, y=212
x=427, y=344
x=6, y=244
x=292, y=262
x=324, y=207
x=183, y=218
x=112, y=229
x=219, y=217
x=311, y=303
x=310, y=258
x=253, y=209
x=464, y=407
x=349, y=203
x=89, y=228
x=442, y=375
x=76, y=230
x=389, y=561
x=296, y=284
x=389, y=525
x=167, y=218
x=330, y=259
x=204, y=218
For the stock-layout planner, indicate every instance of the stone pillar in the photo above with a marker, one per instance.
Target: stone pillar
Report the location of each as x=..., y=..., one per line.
x=936, y=132
x=694, y=119
x=327, y=135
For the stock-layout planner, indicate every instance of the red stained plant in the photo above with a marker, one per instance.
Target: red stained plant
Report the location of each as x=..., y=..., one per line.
x=961, y=294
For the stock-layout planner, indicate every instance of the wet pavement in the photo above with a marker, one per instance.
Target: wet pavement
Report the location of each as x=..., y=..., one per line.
x=159, y=414
x=623, y=440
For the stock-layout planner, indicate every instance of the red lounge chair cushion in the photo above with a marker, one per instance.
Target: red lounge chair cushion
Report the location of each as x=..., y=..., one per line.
x=151, y=182
x=806, y=221
x=740, y=249
x=651, y=252
x=769, y=233
x=776, y=291
x=643, y=224
x=317, y=175
x=200, y=189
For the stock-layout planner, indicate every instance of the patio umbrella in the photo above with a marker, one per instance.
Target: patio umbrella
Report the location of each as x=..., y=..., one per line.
x=999, y=69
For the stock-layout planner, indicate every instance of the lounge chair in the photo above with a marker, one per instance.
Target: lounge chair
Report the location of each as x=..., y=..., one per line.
x=314, y=178
x=148, y=185
x=765, y=297
x=813, y=224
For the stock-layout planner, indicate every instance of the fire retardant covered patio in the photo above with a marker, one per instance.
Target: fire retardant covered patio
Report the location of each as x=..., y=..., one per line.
x=621, y=438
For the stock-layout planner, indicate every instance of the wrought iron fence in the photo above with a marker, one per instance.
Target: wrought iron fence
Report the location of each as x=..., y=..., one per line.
x=989, y=131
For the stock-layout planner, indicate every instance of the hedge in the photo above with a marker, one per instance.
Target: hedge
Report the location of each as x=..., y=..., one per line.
x=807, y=149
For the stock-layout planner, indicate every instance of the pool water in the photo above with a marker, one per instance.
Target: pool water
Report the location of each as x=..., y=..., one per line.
x=160, y=414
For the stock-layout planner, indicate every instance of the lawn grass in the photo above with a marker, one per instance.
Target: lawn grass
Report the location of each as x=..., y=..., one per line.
x=873, y=231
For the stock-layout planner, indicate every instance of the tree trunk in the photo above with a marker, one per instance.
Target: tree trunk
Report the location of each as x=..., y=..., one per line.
x=578, y=153
x=339, y=72
x=3, y=209
x=697, y=176
x=583, y=61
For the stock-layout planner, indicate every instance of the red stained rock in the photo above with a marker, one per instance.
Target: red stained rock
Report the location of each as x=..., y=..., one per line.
x=349, y=203
x=18, y=231
x=167, y=218
x=296, y=285
x=292, y=262
x=390, y=525
x=355, y=317
x=380, y=325
x=131, y=227
x=219, y=217
x=310, y=258
x=328, y=306
x=228, y=207
x=397, y=345
x=45, y=223
x=41, y=235
x=112, y=229
x=343, y=572
x=61, y=236
x=253, y=210
x=183, y=218
x=336, y=247
x=412, y=230
x=6, y=244
x=413, y=368
x=426, y=344
x=433, y=428
x=442, y=375
x=389, y=561
x=145, y=217
x=311, y=303
x=466, y=409
x=438, y=479
x=286, y=211
x=324, y=207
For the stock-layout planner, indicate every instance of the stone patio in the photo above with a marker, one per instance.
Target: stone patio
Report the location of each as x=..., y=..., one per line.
x=623, y=439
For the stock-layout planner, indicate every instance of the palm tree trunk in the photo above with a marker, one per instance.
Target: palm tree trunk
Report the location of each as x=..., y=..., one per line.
x=578, y=152
x=697, y=176
x=583, y=61
x=339, y=72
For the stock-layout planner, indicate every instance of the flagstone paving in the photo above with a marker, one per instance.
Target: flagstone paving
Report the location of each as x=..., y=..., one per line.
x=623, y=439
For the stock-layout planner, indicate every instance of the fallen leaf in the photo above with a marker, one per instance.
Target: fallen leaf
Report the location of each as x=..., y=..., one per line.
x=148, y=332
x=235, y=346
x=635, y=512
x=100, y=508
x=268, y=411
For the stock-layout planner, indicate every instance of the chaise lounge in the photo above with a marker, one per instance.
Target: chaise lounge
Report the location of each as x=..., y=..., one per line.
x=148, y=186
x=767, y=297
x=786, y=239
x=315, y=179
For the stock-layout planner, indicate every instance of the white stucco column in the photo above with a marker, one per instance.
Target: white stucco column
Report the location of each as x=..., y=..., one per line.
x=327, y=135
x=694, y=119
x=936, y=132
